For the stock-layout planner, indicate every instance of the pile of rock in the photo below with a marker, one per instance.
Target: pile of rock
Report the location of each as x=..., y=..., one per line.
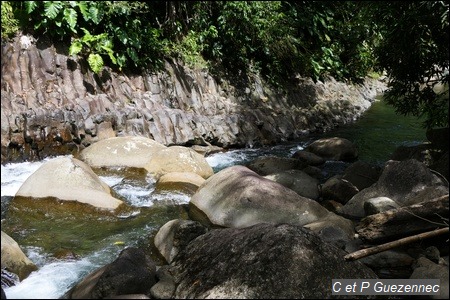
x=275, y=228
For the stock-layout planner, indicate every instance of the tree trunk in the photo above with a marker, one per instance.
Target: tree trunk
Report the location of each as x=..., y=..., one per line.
x=405, y=221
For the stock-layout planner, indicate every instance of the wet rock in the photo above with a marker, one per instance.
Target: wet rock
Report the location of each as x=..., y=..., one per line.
x=186, y=182
x=133, y=272
x=334, y=148
x=13, y=259
x=308, y=158
x=267, y=165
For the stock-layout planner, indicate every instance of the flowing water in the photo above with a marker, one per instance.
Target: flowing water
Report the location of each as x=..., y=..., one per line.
x=93, y=241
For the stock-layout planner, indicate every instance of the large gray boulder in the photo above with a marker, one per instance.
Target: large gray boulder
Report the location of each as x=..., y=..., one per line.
x=126, y=151
x=238, y=197
x=269, y=261
x=67, y=178
x=406, y=182
x=14, y=260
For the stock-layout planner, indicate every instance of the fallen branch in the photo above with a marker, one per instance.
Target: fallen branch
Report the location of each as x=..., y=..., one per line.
x=404, y=221
x=380, y=248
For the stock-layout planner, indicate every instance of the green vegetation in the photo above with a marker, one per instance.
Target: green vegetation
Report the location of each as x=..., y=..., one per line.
x=407, y=40
x=9, y=22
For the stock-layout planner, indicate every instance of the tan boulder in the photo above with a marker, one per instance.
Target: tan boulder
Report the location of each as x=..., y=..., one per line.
x=298, y=181
x=14, y=259
x=186, y=182
x=239, y=197
x=125, y=151
x=67, y=178
x=178, y=159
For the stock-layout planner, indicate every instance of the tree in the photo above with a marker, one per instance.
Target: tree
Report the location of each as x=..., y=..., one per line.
x=414, y=53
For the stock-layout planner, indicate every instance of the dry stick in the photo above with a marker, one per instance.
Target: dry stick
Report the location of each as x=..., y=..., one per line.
x=380, y=248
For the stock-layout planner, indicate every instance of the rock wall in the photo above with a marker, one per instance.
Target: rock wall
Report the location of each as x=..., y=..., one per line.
x=53, y=104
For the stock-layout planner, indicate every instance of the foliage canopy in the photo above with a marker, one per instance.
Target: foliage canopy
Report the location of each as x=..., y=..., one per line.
x=408, y=40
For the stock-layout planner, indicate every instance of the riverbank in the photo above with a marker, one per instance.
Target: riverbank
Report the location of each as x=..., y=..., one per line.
x=54, y=105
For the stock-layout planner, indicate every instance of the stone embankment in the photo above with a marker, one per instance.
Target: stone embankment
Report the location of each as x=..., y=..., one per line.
x=53, y=104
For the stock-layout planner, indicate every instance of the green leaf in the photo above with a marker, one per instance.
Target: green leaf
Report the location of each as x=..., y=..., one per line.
x=87, y=38
x=75, y=48
x=95, y=62
x=111, y=55
x=30, y=6
x=94, y=14
x=84, y=10
x=70, y=16
x=121, y=60
x=52, y=8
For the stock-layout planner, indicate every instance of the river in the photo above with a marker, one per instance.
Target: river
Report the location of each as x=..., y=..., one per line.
x=96, y=242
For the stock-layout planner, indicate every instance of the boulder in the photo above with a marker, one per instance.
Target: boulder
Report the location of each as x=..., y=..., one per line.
x=238, y=197
x=266, y=165
x=178, y=159
x=132, y=273
x=125, y=151
x=298, y=181
x=362, y=174
x=278, y=261
x=334, y=148
x=309, y=158
x=427, y=269
x=165, y=287
x=13, y=258
x=67, y=178
x=406, y=182
x=338, y=189
x=378, y=205
x=176, y=234
x=186, y=182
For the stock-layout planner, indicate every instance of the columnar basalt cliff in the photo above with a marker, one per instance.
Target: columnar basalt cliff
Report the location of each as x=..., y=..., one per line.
x=53, y=104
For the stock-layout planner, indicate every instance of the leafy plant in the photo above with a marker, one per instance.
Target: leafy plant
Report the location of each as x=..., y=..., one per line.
x=60, y=18
x=95, y=45
x=10, y=25
x=414, y=52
